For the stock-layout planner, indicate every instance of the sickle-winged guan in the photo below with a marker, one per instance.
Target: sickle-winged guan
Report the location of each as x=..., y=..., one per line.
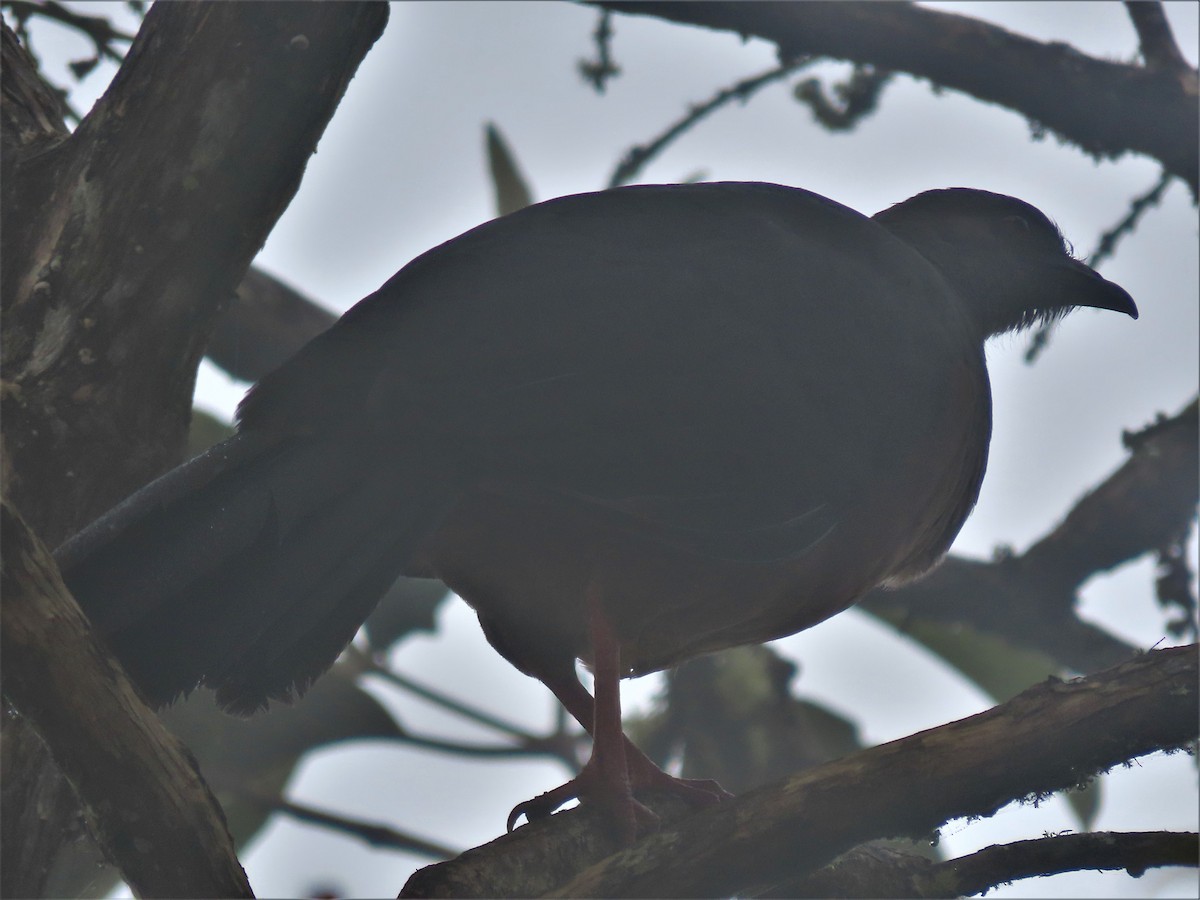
x=628, y=427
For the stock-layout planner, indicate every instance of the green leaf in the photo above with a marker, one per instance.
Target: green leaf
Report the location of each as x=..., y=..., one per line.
x=512, y=189
x=245, y=759
x=997, y=667
x=204, y=431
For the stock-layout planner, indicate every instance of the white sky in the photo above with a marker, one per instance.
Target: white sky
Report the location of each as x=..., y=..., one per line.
x=401, y=169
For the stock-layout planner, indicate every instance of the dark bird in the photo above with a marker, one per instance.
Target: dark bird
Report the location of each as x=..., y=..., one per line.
x=627, y=427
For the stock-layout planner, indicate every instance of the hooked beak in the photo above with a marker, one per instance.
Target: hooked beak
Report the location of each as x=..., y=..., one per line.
x=1084, y=286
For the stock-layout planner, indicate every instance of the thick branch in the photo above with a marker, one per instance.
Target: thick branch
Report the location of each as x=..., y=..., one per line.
x=1049, y=738
x=121, y=242
x=1145, y=110
x=881, y=871
x=140, y=788
x=266, y=323
x=1030, y=600
x=1100, y=851
x=1157, y=41
x=109, y=293
x=1139, y=508
x=31, y=111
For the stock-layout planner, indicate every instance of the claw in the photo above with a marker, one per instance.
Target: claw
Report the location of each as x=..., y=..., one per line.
x=617, y=769
x=629, y=817
x=543, y=805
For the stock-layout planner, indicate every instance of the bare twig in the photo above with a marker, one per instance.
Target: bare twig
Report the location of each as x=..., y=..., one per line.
x=1174, y=587
x=560, y=744
x=99, y=29
x=1105, y=249
x=597, y=72
x=446, y=702
x=636, y=158
x=858, y=97
x=1137, y=208
x=373, y=833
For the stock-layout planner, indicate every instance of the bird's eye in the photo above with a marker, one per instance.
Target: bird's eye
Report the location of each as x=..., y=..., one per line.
x=1018, y=223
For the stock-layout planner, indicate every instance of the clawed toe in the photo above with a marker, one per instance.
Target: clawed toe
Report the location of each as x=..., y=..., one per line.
x=543, y=805
x=629, y=817
x=700, y=791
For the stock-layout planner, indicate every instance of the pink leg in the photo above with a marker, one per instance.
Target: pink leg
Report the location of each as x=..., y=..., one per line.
x=617, y=768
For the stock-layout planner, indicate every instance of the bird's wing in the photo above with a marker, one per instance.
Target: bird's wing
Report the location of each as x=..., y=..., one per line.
x=685, y=356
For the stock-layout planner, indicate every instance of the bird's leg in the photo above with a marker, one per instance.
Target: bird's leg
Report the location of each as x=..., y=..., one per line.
x=605, y=779
x=616, y=768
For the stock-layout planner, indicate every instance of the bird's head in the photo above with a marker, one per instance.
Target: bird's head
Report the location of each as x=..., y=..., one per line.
x=1005, y=257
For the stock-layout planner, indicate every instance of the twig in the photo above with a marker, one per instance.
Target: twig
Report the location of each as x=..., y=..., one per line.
x=1105, y=249
x=536, y=746
x=638, y=157
x=373, y=833
x=559, y=744
x=597, y=72
x=858, y=96
x=98, y=29
x=1137, y=208
x=446, y=702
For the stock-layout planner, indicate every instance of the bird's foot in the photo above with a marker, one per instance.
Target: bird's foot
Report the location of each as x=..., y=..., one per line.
x=695, y=791
x=590, y=786
x=616, y=795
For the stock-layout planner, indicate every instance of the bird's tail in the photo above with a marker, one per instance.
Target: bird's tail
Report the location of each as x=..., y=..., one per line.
x=251, y=567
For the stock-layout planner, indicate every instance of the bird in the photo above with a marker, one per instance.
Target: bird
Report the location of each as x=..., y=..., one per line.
x=627, y=427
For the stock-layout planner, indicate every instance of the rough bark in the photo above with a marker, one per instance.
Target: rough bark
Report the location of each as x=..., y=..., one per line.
x=122, y=241
x=971, y=767
x=140, y=788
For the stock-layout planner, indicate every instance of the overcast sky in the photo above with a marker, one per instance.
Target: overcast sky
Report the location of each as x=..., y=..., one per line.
x=401, y=168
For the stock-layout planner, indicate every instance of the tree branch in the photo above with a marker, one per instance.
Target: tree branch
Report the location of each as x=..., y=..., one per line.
x=881, y=871
x=1105, y=249
x=266, y=323
x=107, y=294
x=1101, y=851
x=637, y=158
x=1158, y=46
x=140, y=788
x=31, y=111
x=1146, y=111
x=1049, y=738
x=1030, y=600
x=371, y=833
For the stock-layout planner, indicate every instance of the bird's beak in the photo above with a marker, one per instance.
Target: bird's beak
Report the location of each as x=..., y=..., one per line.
x=1084, y=286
